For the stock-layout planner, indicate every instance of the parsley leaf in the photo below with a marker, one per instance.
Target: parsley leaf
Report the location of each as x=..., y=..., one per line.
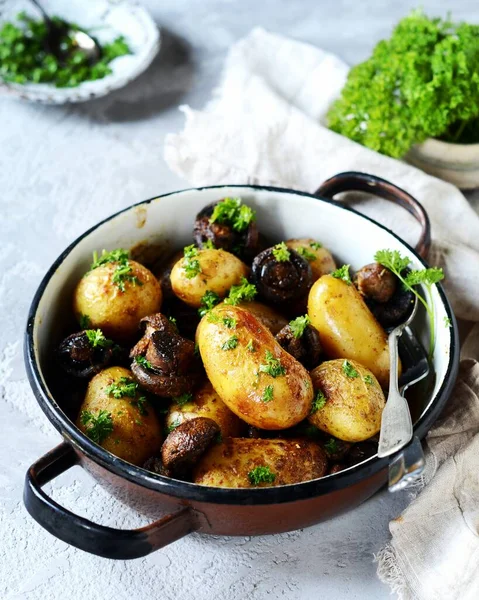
x=343, y=273
x=143, y=362
x=243, y=292
x=298, y=325
x=207, y=302
x=281, y=252
x=140, y=405
x=250, y=346
x=96, y=339
x=316, y=245
x=261, y=475
x=172, y=320
x=191, y=264
x=267, y=394
x=305, y=253
x=119, y=255
x=208, y=245
x=123, y=271
x=172, y=427
x=230, y=322
x=124, y=387
x=84, y=321
x=331, y=446
x=230, y=343
x=231, y=211
x=97, y=427
x=368, y=379
x=318, y=402
x=349, y=370
x=273, y=366
x=183, y=399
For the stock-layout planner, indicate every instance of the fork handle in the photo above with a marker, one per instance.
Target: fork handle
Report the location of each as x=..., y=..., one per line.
x=396, y=424
x=355, y=181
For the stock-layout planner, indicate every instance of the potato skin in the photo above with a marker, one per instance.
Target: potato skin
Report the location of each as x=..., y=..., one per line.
x=235, y=373
x=353, y=407
x=219, y=271
x=135, y=437
x=347, y=327
x=324, y=261
x=115, y=312
x=270, y=318
x=206, y=403
x=228, y=464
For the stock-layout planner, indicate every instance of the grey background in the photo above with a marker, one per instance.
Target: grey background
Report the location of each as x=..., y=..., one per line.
x=61, y=170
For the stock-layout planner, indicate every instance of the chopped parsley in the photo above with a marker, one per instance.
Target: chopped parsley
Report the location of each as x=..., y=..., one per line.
x=84, y=321
x=124, y=387
x=143, y=362
x=191, y=264
x=447, y=322
x=119, y=255
x=250, y=346
x=208, y=245
x=231, y=211
x=343, y=273
x=392, y=260
x=298, y=325
x=97, y=427
x=305, y=253
x=230, y=322
x=267, y=394
x=243, y=292
x=281, y=252
x=123, y=271
x=172, y=320
x=213, y=318
x=316, y=245
x=349, y=370
x=172, y=427
x=331, y=446
x=183, y=399
x=230, y=343
x=273, y=366
x=96, y=339
x=261, y=475
x=318, y=402
x=140, y=405
x=368, y=379
x=208, y=301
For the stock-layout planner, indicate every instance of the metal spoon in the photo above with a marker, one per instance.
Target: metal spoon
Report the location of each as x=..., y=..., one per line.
x=396, y=425
x=56, y=34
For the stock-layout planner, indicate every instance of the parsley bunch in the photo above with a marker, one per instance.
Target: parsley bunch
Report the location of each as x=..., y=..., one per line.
x=123, y=271
x=230, y=211
x=423, y=82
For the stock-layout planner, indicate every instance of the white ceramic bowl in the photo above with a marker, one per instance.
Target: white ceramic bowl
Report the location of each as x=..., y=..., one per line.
x=108, y=19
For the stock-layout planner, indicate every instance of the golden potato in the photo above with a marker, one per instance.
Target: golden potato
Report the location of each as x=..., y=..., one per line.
x=242, y=463
x=214, y=270
x=114, y=310
x=347, y=327
x=128, y=426
x=260, y=382
x=320, y=259
x=354, y=400
x=206, y=403
x=270, y=318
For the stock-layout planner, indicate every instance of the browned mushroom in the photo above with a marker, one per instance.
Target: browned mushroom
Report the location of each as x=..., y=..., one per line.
x=164, y=363
x=238, y=238
x=336, y=449
x=186, y=443
x=83, y=357
x=305, y=347
x=336, y=468
x=155, y=465
x=281, y=275
x=389, y=302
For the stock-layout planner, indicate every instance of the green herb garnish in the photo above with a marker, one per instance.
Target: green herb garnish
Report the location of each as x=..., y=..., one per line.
x=243, y=292
x=447, y=322
x=316, y=245
x=99, y=426
x=208, y=245
x=305, y=253
x=230, y=211
x=267, y=394
x=298, y=325
x=349, y=370
x=343, y=273
x=318, y=402
x=172, y=427
x=119, y=255
x=273, y=366
x=84, y=321
x=261, y=475
x=123, y=271
x=183, y=399
x=392, y=260
x=208, y=301
x=368, y=379
x=230, y=343
x=124, y=387
x=96, y=339
x=191, y=265
x=331, y=446
x=24, y=59
x=281, y=252
x=172, y=320
x=230, y=322
x=140, y=405
x=143, y=362
x=250, y=346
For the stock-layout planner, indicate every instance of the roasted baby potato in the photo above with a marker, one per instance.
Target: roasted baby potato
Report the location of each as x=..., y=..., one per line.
x=205, y=402
x=353, y=400
x=320, y=259
x=260, y=382
x=243, y=463
x=116, y=415
x=270, y=318
x=347, y=327
x=116, y=307
x=200, y=271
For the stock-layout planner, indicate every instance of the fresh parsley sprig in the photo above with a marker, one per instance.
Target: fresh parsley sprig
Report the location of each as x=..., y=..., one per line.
x=97, y=427
x=243, y=292
x=343, y=273
x=349, y=370
x=281, y=252
x=231, y=211
x=273, y=366
x=261, y=474
x=231, y=343
x=191, y=264
x=298, y=325
x=306, y=253
x=208, y=301
x=183, y=399
x=96, y=339
x=143, y=362
x=392, y=260
x=123, y=387
x=318, y=402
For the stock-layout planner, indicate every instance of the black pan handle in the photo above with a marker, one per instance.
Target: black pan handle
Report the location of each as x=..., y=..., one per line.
x=354, y=181
x=86, y=535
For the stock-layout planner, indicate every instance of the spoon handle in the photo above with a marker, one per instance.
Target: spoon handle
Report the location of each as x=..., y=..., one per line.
x=396, y=424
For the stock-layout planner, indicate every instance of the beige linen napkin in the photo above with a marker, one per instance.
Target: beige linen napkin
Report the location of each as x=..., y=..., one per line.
x=264, y=125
